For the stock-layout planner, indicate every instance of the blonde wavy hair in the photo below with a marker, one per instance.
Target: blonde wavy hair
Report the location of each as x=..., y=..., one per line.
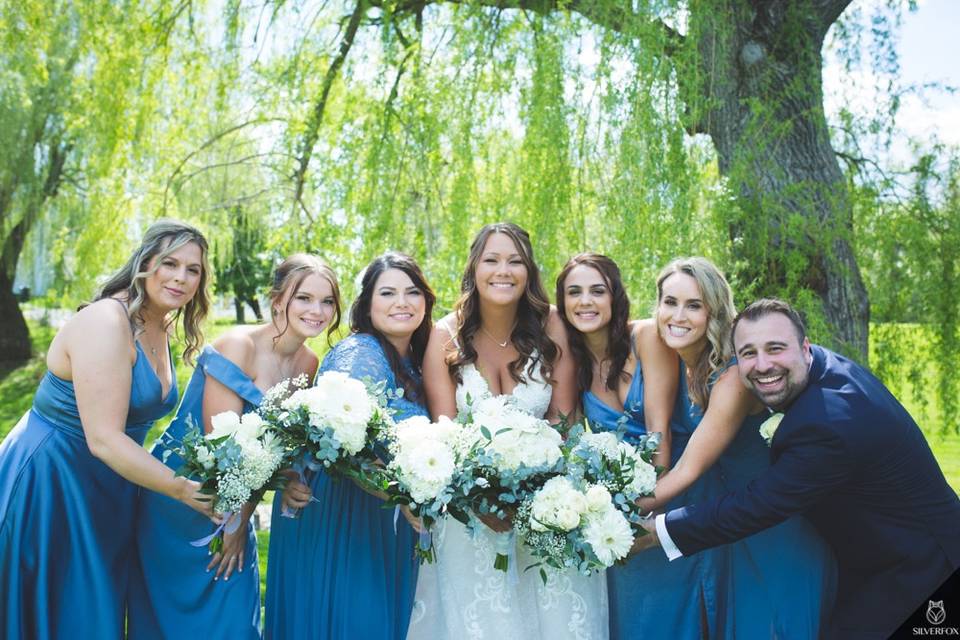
x=162, y=238
x=718, y=299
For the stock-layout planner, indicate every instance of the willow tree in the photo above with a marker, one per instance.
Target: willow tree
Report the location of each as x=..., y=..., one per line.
x=746, y=73
x=71, y=77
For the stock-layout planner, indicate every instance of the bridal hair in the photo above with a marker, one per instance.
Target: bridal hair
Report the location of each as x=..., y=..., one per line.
x=529, y=335
x=718, y=299
x=162, y=238
x=360, y=321
x=289, y=275
x=618, y=330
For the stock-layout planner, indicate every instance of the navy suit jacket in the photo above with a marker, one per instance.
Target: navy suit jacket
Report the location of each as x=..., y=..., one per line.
x=850, y=458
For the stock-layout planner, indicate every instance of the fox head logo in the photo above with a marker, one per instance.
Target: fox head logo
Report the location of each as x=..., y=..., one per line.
x=936, y=614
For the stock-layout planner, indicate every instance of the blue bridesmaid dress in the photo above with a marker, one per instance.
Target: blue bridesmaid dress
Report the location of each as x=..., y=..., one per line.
x=344, y=568
x=171, y=594
x=781, y=581
x=650, y=597
x=66, y=518
x=778, y=583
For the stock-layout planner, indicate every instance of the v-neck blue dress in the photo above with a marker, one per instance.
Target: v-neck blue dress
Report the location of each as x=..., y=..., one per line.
x=651, y=597
x=66, y=518
x=171, y=594
x=344, y=568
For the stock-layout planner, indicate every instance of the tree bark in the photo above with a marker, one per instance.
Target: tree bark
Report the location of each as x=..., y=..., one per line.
x=15, y=346
x=760, y=71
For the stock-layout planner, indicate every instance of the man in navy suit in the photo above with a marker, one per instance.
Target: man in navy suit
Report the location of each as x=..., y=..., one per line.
x=847, y=456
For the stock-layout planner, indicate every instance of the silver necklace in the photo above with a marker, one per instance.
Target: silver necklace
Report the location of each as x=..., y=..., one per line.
x=502, y=345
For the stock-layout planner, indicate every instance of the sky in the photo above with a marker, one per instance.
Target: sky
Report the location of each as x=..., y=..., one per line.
x=929, y=50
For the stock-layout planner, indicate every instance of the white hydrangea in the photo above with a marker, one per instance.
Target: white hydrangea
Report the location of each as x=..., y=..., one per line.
x=519, y=438
x=206, y=458
x=644, y=474
x=605, y=442
x=610, y=536
x=557, y=504
x=339, y=402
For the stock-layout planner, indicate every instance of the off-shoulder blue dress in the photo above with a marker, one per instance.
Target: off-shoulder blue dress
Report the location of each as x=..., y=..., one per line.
x=66, y=518
x=650, y=597
x=171, y=594
x=344, y=568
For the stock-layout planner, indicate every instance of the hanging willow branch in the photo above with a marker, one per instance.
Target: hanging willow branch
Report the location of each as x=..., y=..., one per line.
x=316, y=115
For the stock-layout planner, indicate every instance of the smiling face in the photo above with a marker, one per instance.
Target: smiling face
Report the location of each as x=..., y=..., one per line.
x=175, y=278
x=501, y=275
x=397, y=307
x=307, y=307
x=773, y=362
x=682, y=316
x=587, y=300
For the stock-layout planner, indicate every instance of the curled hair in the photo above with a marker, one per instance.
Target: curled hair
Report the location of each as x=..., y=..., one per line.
x=718, y=300
x=289, y=275
x=618, y=330
x=529, y=335
x=162, y=238
x=360, y=321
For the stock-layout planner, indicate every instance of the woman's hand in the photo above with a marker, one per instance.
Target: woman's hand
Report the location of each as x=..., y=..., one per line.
x=234, y=548
x=412, y=519
x=190, y=495
x=296, y=495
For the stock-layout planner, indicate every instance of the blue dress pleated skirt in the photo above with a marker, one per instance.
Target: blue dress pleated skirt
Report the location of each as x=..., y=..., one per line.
x=344, y=568
x=66, y=518
x=171, y=594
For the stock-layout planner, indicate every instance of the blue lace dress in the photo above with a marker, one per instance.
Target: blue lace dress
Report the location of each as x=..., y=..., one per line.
x=343, y=568
x=171, y=594
x=650, y=597
x=66, y=518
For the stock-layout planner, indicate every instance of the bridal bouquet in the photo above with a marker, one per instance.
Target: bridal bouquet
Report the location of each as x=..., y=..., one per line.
x=509, y=454
x=333, y=424
x=236, y=463
x=586, y=518
x=426, y=459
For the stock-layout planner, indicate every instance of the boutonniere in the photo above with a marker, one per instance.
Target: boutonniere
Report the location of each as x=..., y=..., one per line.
x=769, y=427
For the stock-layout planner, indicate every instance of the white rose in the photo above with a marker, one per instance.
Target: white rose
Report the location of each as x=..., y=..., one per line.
x=251, y=426
x=598, y=500
x=769, y=427
x=224, y=424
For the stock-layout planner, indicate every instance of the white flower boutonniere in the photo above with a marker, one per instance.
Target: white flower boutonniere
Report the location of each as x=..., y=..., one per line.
x=769, y=427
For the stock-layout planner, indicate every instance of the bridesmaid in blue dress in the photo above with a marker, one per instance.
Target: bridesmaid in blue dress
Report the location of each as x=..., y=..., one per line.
x=344, y=568
x=176, y=589
x=69, y=469
x=628, y=377
x=778, y=583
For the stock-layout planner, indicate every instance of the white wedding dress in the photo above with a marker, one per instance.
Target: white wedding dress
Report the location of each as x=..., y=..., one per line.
x=462, y=596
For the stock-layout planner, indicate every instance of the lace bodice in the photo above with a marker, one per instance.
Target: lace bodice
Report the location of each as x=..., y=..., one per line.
x=532, y=395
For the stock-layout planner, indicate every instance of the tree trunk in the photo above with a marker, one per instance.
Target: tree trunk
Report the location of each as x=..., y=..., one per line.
x=761, y=79
x=15, y=347
x=238, y=310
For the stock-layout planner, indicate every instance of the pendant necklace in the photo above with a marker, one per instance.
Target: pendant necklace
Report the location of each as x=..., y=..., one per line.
x=502, y=345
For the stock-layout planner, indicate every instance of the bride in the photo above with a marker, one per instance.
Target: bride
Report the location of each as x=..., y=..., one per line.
x=502, y=338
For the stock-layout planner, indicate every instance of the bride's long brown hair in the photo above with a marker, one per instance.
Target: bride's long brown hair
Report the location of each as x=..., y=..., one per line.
x=529, y=334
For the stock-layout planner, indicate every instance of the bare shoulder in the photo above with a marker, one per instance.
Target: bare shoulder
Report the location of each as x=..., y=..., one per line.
x=729, y=387
x=104, y=322
x=238, y=346
x=443, y=332
x=555, y=326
